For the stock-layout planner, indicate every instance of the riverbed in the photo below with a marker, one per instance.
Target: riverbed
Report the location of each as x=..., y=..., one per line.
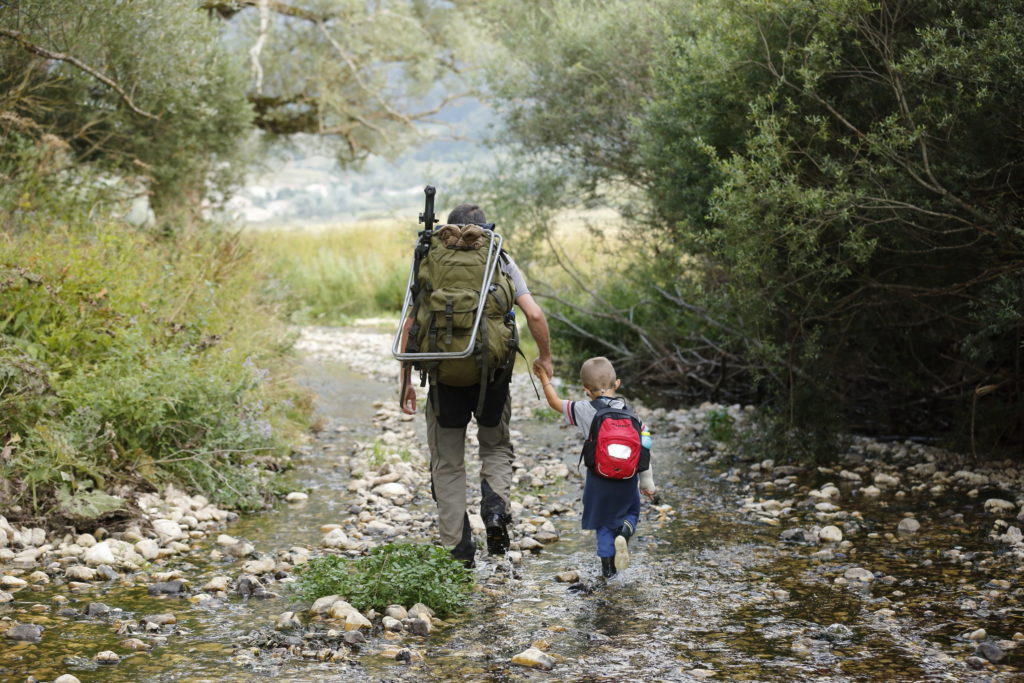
x=736, y=574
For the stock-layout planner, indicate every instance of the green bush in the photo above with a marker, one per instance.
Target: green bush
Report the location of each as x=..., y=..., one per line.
x=129, y=361
x=393, y=574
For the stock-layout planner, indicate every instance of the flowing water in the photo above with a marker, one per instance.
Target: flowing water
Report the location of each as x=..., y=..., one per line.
x=713, y=594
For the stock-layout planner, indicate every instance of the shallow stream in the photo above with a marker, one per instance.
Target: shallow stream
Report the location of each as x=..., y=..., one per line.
x=713, y=593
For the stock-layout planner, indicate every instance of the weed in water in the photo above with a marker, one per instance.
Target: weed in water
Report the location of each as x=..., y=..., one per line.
x=393, y=574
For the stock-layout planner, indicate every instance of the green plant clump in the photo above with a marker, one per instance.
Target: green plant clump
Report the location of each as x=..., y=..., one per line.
x=392, y=574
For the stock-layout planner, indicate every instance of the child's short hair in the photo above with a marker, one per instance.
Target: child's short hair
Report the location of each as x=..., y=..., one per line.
x=597, y=373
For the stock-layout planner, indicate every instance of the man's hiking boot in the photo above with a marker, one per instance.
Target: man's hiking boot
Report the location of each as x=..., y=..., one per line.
x=465, y=551
x=622, y=536
x=497, y=533
x=607, y=567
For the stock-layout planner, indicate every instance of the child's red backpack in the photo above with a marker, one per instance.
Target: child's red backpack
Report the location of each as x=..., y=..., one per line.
x=613, y=449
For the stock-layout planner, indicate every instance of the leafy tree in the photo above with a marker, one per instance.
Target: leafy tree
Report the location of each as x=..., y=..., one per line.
x=142, y=89
x=830, y=191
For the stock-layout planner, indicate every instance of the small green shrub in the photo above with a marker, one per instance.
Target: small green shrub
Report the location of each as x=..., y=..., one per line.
x=721, y=425
x=393, y=574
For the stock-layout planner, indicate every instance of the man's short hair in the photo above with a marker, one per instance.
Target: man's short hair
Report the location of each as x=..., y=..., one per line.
x=467, y=214
x=597, y=373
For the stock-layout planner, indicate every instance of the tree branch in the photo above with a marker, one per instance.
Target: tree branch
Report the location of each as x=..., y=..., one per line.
x=74, y=61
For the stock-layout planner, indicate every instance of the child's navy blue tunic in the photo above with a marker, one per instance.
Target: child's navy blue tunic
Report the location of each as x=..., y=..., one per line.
x=607, y=502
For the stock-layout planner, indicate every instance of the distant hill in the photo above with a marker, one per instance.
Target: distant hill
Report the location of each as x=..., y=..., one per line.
x=303, y=185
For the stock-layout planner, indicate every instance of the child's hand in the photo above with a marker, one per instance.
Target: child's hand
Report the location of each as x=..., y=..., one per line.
x=541, y=373
x=649, y=492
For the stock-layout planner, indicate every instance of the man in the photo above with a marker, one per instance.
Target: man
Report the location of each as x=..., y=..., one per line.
x=448, y=412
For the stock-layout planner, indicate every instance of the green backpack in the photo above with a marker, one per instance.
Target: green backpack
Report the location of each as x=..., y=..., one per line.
x=447, y=293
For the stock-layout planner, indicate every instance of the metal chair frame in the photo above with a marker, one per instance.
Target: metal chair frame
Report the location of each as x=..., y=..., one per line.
x=493, y=254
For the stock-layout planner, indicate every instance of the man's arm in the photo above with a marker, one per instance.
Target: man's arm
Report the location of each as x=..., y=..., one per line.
x=406, y=392
x=538, y=325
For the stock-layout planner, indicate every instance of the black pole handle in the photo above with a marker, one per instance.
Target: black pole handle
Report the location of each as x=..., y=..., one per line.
x=427, y=217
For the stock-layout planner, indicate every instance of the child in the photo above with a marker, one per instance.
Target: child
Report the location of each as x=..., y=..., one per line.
x=610, y=506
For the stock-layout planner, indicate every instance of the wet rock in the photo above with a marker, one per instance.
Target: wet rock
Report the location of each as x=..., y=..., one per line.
x=107, y=657
x=422, y=611
x=871, y=491
x=218, y=584
x=1013, y=536
x=38, y=578
x=354, y=621
x=837, y=632
x=976, y=662
x=391, y=623
x=107, y=572
x=568, y=577
x=396, y=612
x=980, y=634
x=297, y=497
x=418, y=626
x=354, y=637
x=68, y=613
x=66, y=678
x=286, y=621
x=998, y=506
x=166, y=587
x=339, y=609
x=248, y=586
x=701, y=673
x=830, y=534
x=858, y=574
x=991, y=652
x=154, y=622
x=97, y=609
x=31, y=633
x=135, y=645
x=5, y=597
x=534, y=659
x=908, y=526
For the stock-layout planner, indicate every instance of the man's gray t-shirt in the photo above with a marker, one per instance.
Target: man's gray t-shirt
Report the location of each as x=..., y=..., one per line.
x=509, y=267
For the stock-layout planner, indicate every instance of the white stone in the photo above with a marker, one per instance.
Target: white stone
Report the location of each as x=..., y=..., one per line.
x=148, y=549
x=168, y=530
x=79, y=572
x=999, y=506
x=107, y=657
x=297, y=497
x=1013, y=536
x=336, y=538
x=66, y=678
x=12, y=582
x=908, y=525
x=86, y=540
x=322, y=605
x=830, y=534
x=883, y=479
x=391, y=491
x=98, y=554
x=871, y=491
x=355, y=621
x=859, y=574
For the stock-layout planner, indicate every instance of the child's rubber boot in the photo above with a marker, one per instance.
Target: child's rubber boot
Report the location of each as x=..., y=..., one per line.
x=607, y=567
x=623, y=533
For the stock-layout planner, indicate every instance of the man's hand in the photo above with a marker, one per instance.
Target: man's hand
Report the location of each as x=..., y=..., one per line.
x=543, y=368
x=408, y=398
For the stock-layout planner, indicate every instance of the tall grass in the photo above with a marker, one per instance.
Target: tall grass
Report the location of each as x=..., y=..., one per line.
x=334, y=274
x=130, y=360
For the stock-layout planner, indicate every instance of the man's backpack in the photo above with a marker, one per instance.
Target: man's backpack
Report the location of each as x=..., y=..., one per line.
x=613, y=449
x=447, y=296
